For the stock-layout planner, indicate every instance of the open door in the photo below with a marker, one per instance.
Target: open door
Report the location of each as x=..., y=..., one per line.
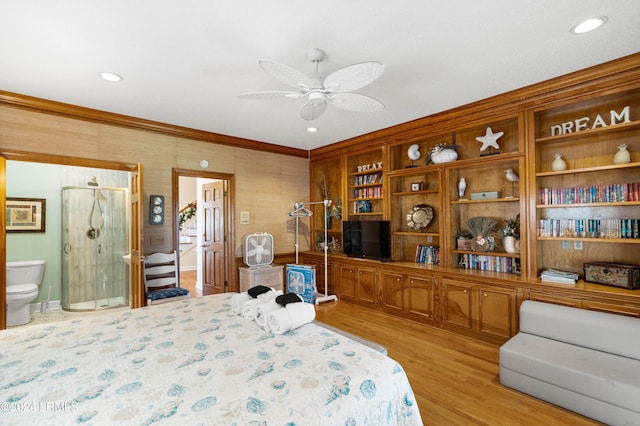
x=214, y=238
x=3, y=243
x=137, y=254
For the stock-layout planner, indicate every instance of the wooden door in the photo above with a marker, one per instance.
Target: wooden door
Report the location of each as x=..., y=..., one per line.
x=3, y=244
x=497, y=312
x=213, y=238
x=347, y=283
x=457, y=312
x=137, y=245
x=366, y=288
x=421, y=298
x=393, y=292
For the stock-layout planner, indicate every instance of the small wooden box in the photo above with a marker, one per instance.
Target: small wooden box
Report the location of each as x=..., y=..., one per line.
x=613, y=274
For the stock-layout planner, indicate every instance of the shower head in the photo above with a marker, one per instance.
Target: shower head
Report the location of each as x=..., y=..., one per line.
x=93, y=181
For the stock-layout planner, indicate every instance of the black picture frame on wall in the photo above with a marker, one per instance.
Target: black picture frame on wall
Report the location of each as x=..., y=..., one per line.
x=26, y=214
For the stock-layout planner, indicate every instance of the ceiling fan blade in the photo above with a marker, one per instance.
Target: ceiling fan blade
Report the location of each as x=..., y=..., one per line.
x=356, y=102
x=271, y=95
x=285, y=74
x=313, y=109
x=353, y=77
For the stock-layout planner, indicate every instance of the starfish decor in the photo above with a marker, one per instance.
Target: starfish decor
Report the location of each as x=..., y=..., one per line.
x=490, y=139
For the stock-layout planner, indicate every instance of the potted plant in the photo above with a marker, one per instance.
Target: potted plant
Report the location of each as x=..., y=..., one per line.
x=511, y=235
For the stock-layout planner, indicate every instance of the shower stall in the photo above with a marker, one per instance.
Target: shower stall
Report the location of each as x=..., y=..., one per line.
x=94, y=241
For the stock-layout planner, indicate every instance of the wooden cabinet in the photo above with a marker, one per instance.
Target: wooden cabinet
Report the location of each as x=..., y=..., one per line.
x=586, y=212
x=490, y=312
x=393, y=292
x=590, y=210
x=408, y=295
x=347, y=283
x=415, y=214
x=422, y=296
x=365, y=185
x=487, y=192
x=326, y=184
x=358, y=284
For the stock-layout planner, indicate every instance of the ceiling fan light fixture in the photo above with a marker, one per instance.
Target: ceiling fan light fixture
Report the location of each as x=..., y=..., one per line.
x=336, y=88
x=589, y=25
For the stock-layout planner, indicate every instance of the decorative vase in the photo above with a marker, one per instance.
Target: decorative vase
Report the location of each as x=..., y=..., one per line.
x=558, y=164
x=444, y=156
x=622, y=156
x=511, y=244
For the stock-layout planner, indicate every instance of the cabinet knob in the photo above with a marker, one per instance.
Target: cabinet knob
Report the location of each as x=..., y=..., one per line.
x=465, y=290
x=398, y=279
x=485, y=294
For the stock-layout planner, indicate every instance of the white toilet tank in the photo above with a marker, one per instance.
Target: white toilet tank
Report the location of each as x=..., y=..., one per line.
x=25, y=272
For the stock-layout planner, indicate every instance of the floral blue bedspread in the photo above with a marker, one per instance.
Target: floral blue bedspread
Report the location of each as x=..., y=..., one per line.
x=194, y=362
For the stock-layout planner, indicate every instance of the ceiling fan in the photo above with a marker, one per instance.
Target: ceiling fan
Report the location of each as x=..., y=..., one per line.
x=335, y=89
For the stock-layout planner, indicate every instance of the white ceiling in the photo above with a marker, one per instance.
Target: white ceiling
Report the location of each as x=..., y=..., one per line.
x=184, y=62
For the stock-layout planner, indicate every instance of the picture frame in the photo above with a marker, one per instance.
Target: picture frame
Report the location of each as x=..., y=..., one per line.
x=25, y=214
x=417, y=186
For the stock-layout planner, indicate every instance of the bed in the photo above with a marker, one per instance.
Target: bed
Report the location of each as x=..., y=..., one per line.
x=194, y=361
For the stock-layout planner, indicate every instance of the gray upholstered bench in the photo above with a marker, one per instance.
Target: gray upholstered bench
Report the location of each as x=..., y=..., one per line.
x=585, y=361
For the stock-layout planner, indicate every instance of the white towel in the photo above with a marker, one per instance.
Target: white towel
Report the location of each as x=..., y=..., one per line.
x=238, y=300
x=290, y=317
x=249, y=308
x=262, y=312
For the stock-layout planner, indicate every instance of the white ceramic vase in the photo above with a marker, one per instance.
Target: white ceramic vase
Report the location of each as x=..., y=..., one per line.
x=511, y=244
x=622, y=156
x=558, y=164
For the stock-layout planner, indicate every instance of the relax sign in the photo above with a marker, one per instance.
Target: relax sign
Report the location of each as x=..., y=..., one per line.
x=586, y=123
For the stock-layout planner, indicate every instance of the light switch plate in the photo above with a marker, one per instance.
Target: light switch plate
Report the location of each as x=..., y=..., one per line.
x=244, y=218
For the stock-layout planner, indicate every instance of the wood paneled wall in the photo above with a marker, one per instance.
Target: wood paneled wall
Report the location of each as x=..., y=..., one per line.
x=266, y=183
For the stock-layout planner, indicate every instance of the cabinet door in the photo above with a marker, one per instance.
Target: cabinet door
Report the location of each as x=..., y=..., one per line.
x=497, y=311
x=347, y=283
x=421, y=296
x=457, y=309
x=611, y=308
x=393, y=292
x=554, y=298
x=366, y=288
x=329, y=273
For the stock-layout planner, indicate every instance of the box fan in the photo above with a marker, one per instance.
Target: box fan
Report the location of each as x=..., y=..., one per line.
x=258, y=250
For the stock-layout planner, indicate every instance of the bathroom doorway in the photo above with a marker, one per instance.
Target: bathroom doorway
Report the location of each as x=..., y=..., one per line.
x=204, y=230
x=134, y=231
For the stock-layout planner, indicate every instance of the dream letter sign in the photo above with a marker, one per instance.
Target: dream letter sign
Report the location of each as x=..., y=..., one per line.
x=585, y=123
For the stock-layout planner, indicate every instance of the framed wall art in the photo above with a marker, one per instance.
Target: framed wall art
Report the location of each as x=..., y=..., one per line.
x=26, y=214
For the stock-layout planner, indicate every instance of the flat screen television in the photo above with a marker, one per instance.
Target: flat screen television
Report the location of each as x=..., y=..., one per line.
x=367, y=239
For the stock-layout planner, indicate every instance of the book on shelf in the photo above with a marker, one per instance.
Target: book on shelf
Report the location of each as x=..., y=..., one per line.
x=557, y=276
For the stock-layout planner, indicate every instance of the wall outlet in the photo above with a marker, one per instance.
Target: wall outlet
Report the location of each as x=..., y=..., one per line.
x=577, y=245
x=566, y=245
x=429, y=239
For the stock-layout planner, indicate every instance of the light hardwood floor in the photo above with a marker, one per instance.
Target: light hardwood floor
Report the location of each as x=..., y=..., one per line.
x=188, y=280
x=455, y=379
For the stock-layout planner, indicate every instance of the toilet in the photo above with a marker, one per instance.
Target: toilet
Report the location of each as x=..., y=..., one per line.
x=23, y=285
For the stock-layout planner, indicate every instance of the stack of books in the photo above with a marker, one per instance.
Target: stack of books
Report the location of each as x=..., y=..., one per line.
x=556, y=276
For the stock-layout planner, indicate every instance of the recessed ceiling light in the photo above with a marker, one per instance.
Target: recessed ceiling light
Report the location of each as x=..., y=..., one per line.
x=110, y=76
x=312, y=129
x=589, y=25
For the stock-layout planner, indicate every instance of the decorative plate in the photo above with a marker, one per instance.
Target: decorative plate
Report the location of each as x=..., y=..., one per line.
x=419, y=216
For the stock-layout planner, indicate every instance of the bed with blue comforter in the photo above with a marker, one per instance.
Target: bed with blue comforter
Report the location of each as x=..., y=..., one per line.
x=195, y=362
